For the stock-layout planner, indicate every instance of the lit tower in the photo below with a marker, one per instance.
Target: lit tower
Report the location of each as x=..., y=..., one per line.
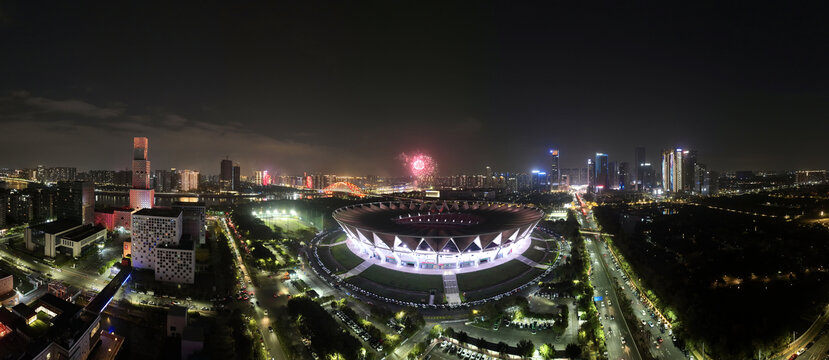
x=672, y=170
x=555, y=171
x=141, y=195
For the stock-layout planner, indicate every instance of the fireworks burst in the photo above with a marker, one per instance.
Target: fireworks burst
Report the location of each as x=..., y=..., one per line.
x=419, y=165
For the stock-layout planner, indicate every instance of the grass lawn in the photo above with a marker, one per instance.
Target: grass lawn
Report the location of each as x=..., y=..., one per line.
x=492, y=276
x=285, y=224
x=402, y=280
x=343, y=255
x=504, y=287
x=402, y=295
x=534, y=254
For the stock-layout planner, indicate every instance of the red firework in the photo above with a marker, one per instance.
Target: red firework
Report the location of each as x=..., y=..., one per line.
x=420, y=165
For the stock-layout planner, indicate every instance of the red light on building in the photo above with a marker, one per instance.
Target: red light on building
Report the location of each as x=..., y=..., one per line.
x=309, y=182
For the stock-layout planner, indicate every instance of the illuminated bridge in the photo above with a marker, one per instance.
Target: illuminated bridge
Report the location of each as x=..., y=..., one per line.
x=344, y=187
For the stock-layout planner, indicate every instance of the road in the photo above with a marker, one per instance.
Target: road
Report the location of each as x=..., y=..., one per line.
x=607, y=272
x=817, y=351
x=808, y=336
x=264, y=294
x=30, y=265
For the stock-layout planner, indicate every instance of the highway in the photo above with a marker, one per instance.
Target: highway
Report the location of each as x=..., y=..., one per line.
x=607, y=272
x=808, y=336
x=817, y=351
x=614, y=329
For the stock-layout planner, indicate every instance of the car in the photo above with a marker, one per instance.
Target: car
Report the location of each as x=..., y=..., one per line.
x=266, y=312
x=270, y=329
x=801, y=351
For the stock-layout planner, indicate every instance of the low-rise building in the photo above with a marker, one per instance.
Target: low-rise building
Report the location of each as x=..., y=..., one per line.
x=176, y=320
x=66, y=236
x=8, y=296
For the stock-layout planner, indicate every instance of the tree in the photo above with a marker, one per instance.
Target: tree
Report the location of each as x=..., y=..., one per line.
x=572, y=351
x=462, y=336
x=502, y=347
x=547, y=351
x=435, y=332
x=525, y=348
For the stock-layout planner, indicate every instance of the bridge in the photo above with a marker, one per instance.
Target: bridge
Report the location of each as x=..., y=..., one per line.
x=344, y=187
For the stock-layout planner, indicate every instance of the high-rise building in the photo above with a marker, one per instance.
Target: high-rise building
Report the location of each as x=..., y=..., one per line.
x=140, y=164
x=142, y=196
x=102, y=177
x=555, y=169
x=601, y=172
x=164, y=180
x=123, y=177
x=262, y=177
x=539, y=181
x=700, y=173
x=55, y=174
x=712, y=182
x=648, y=177
x=488, y=177
x=193, y=220
x=613, y=175
x=75, y=200
x=689, y=166
x=591, y=175
x=187, y=180
x=226, y=175
x=672, y=170
x=811, y=176
x=624, y=175
x=639, y=164
x=157, y=244
x=237, y=178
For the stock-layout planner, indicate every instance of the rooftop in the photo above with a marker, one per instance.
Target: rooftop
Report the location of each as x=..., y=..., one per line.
x=100, y=301
x=56, y=226
x=112, y=209
x=159, y=212
x=82, y=232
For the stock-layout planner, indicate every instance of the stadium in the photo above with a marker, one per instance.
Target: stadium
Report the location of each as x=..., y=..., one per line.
x=438, y=236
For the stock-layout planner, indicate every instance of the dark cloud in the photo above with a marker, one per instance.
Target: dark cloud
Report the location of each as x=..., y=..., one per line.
x=81, y=134
x=346, y=86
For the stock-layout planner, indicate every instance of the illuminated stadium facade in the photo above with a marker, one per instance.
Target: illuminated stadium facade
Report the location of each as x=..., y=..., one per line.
x=438, y=235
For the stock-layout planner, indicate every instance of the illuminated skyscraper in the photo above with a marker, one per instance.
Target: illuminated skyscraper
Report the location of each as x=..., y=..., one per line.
x=187, y=180
x=672, y=170
x=601, y=171
x=555, y=170
x=142, y=196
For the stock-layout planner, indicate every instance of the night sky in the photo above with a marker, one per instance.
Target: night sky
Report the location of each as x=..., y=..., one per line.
x=345, y=87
